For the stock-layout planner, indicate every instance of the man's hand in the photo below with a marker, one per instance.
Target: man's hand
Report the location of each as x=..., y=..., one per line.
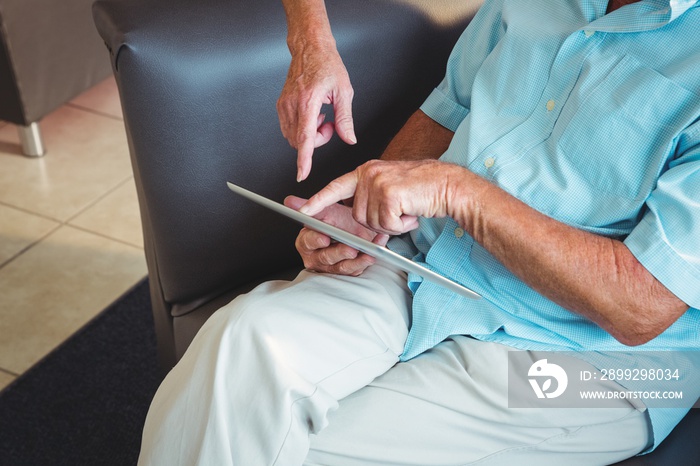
x=389, y=196
x=321, y=254
x=316, y=76
x=588, y=274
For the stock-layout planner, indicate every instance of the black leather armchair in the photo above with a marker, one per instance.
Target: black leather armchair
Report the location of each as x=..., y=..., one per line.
x=198, y=82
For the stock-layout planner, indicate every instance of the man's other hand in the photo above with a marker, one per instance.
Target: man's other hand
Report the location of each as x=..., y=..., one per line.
x=321, y=254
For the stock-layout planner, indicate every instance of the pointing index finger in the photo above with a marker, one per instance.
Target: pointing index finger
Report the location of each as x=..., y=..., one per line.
x=309, y=118
x=336, y=191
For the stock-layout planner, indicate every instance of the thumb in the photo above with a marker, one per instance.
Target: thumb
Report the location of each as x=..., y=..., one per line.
x=294, y=202
x=381, y=239
x=344, y=125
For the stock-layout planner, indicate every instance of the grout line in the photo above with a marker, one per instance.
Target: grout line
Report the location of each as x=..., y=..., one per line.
x=29, y=246
x=98, y=199
x=5, y=371
x=64, y=223
x=54, y=230
x=30, y=212
x=94, y=112
x=101, y=235
x=78, y=213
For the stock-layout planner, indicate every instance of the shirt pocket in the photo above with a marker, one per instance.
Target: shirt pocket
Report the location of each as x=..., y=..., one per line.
x=621, y=136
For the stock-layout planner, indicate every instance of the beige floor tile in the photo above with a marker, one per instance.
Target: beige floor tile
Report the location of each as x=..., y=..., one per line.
x=6, y=379
x=18, y=230
x=102, y=98
x=87, y=157
x=57, y=286
x=115, y=216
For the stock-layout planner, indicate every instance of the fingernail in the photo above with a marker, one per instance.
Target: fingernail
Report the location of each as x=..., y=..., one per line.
x=353, y=139
x=304, y=209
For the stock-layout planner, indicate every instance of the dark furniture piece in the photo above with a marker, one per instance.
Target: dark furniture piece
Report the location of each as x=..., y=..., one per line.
x=49, y=53
x=198, y=82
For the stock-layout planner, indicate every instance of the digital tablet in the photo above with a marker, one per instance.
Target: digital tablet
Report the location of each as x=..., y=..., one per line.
x=380, y=253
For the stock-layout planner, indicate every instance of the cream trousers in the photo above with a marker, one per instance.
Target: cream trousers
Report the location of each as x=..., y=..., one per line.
x=307, y=372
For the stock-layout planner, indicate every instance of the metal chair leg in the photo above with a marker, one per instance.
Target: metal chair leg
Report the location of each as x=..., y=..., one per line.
x=30, y=139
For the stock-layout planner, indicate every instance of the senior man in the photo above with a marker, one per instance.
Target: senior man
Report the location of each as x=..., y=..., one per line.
x=556, y=172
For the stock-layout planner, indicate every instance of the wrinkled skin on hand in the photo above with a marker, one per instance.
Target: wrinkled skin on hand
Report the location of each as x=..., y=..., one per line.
x=389, y=196
x=321, y=254
x=387, y=199
x=316, y=76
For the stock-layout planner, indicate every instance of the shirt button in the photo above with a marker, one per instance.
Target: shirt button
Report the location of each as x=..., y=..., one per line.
x=550, y=105
x=459, y=232
x=588, y=32
x=488, y=163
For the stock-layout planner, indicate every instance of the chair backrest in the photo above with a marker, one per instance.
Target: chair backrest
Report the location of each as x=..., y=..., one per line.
x=199, y=82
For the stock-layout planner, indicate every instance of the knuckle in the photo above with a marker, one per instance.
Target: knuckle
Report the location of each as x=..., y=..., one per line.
x=303, y=135
x=346, y=268
x=323, y=257
x=373, y=167
x=319, y=241
x=389, y=191
x=344, y=119
x=359, y=214
x=308, y=99
x=335, y=186
x=348, y=252
x=288, y=137
x=285, y=103
x=302, y=241
x=311, y=241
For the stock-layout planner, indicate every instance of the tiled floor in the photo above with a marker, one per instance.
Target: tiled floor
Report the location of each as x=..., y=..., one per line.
x=70, y=234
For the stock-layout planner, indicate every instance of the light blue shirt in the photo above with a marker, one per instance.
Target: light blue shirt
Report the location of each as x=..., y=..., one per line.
x=593, y=120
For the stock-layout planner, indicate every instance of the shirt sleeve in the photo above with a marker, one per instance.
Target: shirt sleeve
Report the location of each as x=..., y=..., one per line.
x=667, y=240
x=449, y=103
